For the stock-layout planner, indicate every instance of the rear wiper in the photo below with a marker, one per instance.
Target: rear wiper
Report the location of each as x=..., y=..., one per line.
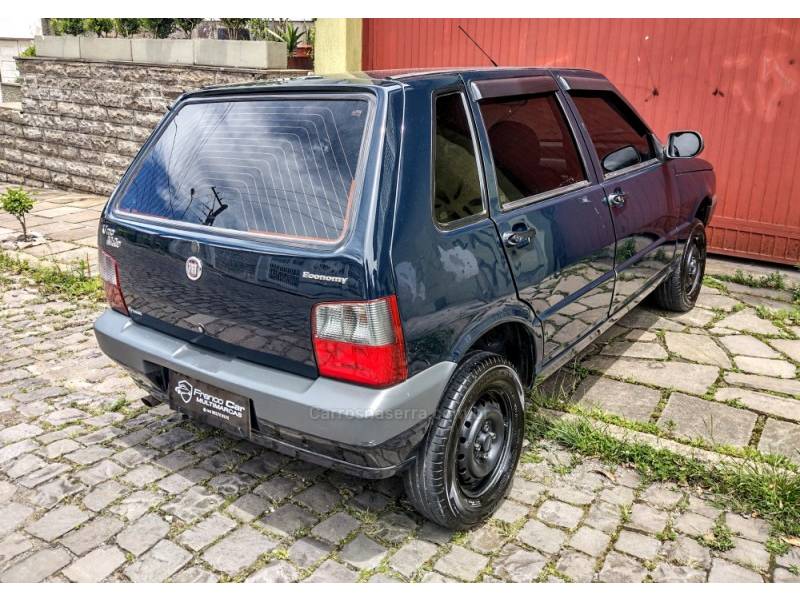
x=212, y=215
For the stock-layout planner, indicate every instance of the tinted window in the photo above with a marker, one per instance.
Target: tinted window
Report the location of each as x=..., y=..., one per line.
x=532, y=146
x=612, y=126
x=457, y=185
x=284, y=168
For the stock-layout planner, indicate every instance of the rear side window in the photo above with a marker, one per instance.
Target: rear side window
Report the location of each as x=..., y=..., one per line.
x=532, y=147
x=457, y=184
x=613, y=126
x=283, y=168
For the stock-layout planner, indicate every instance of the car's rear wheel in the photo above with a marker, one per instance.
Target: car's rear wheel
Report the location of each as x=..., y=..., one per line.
x=680, y=290
x=466, y=463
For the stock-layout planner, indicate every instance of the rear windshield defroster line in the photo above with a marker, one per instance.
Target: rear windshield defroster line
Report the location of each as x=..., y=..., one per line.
x=283, y=168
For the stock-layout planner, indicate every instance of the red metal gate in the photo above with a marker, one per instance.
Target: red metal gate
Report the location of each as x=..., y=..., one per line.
x=735, y=80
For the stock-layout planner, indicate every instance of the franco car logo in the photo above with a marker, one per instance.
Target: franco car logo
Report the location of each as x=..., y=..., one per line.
x=184, y=390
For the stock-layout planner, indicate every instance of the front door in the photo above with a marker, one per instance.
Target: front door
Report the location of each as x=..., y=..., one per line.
x=637, y=187
x=549, y=210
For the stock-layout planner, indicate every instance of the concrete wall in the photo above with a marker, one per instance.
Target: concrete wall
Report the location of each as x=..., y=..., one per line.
x=9, y=49
x=217, y=53
x=82, y=122
x=337, y=47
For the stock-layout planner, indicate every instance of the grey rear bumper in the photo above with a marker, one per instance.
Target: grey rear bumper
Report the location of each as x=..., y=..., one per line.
x=334, y=412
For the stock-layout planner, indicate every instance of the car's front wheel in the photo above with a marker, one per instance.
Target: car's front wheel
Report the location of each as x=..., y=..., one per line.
x=466, y=463
x=679, y=291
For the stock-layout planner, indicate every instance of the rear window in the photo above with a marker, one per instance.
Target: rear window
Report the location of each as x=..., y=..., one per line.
x=282, y=168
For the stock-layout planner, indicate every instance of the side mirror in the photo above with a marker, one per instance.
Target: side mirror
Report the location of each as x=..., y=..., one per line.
x=627, y=156
x=684, y=144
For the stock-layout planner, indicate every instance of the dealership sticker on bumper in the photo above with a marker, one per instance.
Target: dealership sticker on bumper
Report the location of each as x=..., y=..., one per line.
x=210, y=404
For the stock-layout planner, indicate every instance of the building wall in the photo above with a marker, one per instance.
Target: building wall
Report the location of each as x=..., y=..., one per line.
x=735, y=80
x=338, y=45
x=82, y=122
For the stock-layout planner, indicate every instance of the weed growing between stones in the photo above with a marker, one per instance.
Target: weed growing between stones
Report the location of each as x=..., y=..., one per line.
x=750, y=487
x=71, y=283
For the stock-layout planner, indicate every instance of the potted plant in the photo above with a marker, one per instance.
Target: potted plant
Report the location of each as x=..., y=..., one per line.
x=291, y=35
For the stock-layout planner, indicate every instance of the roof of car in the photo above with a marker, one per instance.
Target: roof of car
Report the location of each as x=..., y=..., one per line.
x=392, y=77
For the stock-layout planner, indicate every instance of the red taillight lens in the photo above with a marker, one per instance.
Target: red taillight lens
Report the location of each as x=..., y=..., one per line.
x=109, y=273
x=361, y=342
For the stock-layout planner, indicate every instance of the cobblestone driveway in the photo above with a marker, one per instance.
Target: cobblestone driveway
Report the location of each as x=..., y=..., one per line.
x=94, y=487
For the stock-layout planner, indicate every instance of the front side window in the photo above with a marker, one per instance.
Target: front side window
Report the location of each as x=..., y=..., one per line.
x=619, y=137
x=284, y=168
x=457, y=184
x=533, y=149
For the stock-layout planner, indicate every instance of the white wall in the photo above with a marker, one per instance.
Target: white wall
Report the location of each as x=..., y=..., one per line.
x=18, y=27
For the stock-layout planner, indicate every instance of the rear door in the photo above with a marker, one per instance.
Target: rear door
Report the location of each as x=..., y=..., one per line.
x=235, y=219
x=636, y=183
x=548, y=207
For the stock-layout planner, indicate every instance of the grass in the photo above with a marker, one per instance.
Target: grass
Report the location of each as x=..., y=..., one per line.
x=720, y=537
x=71, y=283
x=773, y=281
x=749, y=487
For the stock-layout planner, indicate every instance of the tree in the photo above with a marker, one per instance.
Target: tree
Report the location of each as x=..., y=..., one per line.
x=235, y=27
x=259, y=28
x=187, y=25
x=127, y=27
x=18, y=203
x=68, y=26
x=99, y=26
x=159, y=28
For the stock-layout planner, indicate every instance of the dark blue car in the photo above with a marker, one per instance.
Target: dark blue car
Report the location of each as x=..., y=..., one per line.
x=368, y=272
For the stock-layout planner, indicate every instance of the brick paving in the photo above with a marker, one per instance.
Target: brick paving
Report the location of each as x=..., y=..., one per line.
x=67, y=222
x=94, y=486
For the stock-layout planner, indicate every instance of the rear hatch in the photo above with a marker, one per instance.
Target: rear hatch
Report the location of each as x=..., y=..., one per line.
x=235, y=219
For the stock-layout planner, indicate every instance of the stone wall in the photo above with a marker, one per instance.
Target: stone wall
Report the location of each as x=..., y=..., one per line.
x=82, y=122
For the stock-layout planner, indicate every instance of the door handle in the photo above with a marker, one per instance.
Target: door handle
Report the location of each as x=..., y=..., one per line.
x=518, y=239
x=616, y=198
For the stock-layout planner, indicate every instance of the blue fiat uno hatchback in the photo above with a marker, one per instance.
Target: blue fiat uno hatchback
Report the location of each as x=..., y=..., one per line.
x=369, y=271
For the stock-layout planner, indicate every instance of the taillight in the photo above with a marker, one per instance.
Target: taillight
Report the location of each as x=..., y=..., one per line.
x=361, y=342
x=109, y=273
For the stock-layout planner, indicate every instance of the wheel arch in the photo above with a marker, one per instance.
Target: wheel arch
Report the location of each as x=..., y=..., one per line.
x=514, y=334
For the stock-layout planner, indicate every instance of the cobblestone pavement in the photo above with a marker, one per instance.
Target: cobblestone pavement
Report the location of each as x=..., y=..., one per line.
x=95, y=487
x=722, y=376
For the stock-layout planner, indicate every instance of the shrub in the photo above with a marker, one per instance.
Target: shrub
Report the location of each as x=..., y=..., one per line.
x=187, y=25
x=100, y=27
x=29, y=51
x=159, y=28
x=17, y=202
x=289, y=34
x=127, y=27
x=259, y=28
x=68, y=26
x=235, y=27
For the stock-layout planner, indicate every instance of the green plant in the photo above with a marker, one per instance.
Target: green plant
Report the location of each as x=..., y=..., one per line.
x=158, y=28
x=311, y=38
x=17, y=202
x=75, y=282
x=748, y=486
x=235, y=27
x=187, y=25
x=720, y=537
x=68, y=26
x=259, y=28
x=29, y=51
x=288, y=33
x=127, y=27
x=101, y=27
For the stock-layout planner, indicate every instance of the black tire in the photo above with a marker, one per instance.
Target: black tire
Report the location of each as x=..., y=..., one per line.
x=679, y=291
x=450, y=485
